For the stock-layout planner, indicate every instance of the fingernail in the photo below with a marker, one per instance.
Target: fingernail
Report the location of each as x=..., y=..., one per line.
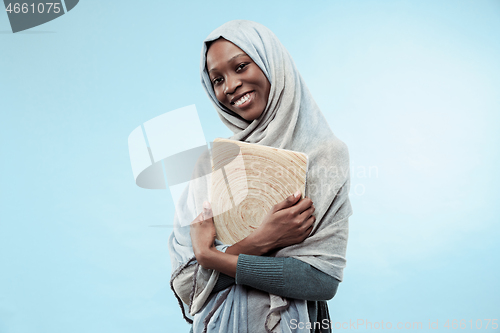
x=297, y=194
x=206, y=205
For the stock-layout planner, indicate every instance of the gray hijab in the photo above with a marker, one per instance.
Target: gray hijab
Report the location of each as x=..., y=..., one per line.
x=293, y=121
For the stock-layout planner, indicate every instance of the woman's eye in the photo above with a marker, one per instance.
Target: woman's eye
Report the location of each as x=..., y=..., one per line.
x=217, y=80
x=241, y=66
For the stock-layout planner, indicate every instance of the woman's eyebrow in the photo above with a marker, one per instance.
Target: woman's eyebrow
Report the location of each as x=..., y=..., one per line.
x=236, y=56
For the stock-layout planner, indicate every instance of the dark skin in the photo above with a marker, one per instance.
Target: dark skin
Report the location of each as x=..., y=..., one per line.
x=288, y=222
x=242, y=87
x=238, y=82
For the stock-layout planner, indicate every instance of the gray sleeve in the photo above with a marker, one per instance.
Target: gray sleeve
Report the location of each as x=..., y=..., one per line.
x=286, y=277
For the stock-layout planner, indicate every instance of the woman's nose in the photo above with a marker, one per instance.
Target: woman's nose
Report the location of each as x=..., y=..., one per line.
x=232, y=83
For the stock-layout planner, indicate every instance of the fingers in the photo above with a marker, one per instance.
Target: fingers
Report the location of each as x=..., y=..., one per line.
x=198, y=219
x=309, y=226
x=297, y=210
x=307, y=213
x=205, y=215
x=207, y=211
x=310, y=222
x=308, y=231
x=288, y=202
x=303, y=205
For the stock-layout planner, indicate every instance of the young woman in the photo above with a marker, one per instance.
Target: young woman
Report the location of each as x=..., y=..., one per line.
x=279, y=278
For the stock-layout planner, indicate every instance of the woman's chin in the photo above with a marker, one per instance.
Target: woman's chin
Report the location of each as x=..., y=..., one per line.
x=249, y=115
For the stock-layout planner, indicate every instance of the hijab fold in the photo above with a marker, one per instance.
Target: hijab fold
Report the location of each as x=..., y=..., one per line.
x=291, y=120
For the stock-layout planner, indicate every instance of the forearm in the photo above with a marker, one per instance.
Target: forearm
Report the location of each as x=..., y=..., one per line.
x=245, y=246
x=226, y=262
x=286, y=277
x=214, y=259
x=251, y=245
x=287, y=223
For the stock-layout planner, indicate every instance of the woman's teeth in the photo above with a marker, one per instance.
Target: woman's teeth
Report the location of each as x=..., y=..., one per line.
x=242, y=100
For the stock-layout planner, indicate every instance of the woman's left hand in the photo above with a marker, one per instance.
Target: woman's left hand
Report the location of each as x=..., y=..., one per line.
x=202, y=231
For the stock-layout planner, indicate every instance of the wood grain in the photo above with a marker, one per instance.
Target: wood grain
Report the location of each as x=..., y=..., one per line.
x=248, y=181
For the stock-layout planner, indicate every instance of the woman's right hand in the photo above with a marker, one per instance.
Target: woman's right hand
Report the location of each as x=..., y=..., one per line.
x=287, y=223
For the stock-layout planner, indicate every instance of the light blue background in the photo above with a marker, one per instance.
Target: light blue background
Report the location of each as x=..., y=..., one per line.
x=412, y=87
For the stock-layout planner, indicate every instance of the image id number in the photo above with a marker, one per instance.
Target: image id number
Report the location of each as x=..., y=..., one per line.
x=479, y=324
x=27, y=8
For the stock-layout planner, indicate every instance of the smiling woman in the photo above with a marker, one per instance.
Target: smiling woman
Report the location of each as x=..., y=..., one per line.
x=288, y=267
x=239, y=84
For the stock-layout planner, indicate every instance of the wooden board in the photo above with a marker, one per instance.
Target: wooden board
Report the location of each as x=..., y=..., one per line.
x=247, y=180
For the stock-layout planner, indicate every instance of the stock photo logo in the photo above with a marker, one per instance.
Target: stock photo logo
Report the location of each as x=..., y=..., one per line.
x=24, y=15
x=165, y=150
x=241, y=181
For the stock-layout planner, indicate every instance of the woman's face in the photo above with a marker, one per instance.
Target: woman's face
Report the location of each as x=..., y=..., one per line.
x=239, y=84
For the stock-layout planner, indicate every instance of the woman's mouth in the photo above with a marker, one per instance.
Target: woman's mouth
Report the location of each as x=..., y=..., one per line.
x=244, y=100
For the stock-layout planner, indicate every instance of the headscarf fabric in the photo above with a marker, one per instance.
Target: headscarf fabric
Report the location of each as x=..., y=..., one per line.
x=291, y=120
